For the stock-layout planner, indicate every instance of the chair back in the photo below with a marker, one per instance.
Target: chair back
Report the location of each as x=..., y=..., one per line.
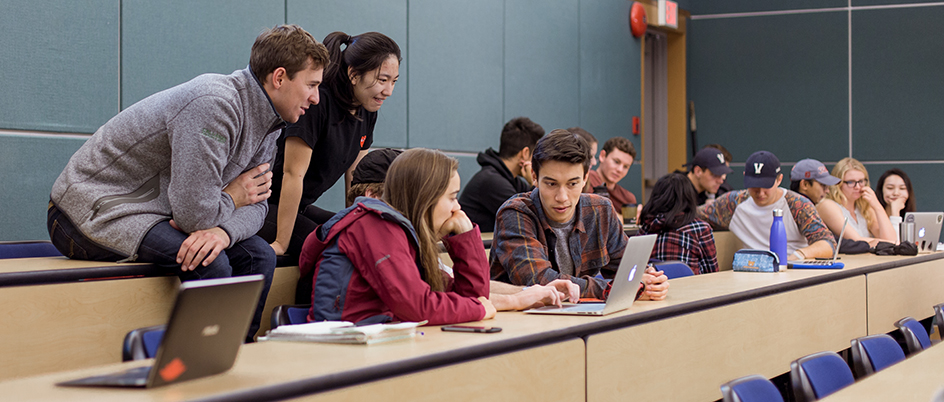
x=752, y=388
x=28, y=249
x=873, y=353
x=916, y=337
x=937, y=325
x=815, y=376
x=142, y=343
x=674, y=269
x=288, y=314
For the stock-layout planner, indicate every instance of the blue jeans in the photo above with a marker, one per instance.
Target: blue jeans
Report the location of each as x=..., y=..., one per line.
x=160, y=246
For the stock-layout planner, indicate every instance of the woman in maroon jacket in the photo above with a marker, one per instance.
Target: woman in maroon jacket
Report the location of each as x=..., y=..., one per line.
x=378, y=260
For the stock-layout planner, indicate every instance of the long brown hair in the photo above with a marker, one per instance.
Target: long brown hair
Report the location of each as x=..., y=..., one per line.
x=415, y=181
x=835, y=193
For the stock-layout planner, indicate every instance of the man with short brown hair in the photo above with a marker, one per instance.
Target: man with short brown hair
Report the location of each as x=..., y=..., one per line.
x=179, y=178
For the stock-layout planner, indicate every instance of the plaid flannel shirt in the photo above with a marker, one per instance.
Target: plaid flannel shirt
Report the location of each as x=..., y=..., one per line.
x=692, y=244
x=523, y=246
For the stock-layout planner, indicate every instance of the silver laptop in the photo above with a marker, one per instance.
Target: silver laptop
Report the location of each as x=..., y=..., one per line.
x=206, y=328
x=625, y=284
x=923, y=229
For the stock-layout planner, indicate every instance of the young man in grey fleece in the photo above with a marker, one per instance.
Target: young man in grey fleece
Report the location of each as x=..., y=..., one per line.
x=179, y=179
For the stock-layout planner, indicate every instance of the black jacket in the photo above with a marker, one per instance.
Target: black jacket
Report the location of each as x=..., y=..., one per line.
x=489, y=189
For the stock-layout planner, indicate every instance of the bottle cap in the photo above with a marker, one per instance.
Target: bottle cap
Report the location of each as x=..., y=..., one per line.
x=778, y=212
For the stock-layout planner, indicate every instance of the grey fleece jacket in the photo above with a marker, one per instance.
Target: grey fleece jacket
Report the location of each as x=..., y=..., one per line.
x=170, y=156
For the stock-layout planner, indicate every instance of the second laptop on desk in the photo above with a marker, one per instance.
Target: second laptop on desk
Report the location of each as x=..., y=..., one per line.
x=625, y=284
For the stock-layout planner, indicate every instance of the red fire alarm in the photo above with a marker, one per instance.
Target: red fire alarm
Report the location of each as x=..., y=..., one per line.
x=637, y=19
x=635, y=125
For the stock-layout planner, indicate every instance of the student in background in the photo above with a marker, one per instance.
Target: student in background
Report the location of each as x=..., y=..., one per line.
x=377, y=261
x=179, y=179
x=810, y=178
x=852, y=198
x=591, y=141
x=707, y=171
x=557, y=232
x=503, y=174
x=616, y=158
x=725, y=187
x=672, y=213
x=896, y=195
x=749, y=213
x=329, y=140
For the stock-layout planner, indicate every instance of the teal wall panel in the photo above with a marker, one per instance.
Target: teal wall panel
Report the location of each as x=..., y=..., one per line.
x=354, y=17
x=169, y=42
x=610, y=83
x=60, y=65
x=541, y=63
x=897, y=84
x=34, y=163
x=455, y=94
x=774, y=82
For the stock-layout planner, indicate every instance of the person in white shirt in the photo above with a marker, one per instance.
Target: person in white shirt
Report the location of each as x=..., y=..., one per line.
x=749, y=213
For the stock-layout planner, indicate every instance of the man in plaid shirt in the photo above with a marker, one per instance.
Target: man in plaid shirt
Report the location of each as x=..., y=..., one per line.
x=555, y=232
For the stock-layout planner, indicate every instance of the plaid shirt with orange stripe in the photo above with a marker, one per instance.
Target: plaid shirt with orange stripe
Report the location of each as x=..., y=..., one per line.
x=523, y=245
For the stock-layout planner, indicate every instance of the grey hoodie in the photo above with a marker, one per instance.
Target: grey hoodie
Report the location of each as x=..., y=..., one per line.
x=170, y=156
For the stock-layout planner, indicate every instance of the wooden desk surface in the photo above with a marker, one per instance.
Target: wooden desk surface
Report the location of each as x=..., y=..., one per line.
x=271, y=369
x=918, y=378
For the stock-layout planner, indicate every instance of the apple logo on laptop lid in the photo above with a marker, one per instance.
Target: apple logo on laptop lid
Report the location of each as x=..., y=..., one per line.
x=632, y=273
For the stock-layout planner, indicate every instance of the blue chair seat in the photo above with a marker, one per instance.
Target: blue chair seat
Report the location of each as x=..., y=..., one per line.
x=142, y=343
x=752, y=388
x=674, y=269
x=916, y=337
x=873, y=353
x=815, y=376
x=28, y=249
x=288, y=314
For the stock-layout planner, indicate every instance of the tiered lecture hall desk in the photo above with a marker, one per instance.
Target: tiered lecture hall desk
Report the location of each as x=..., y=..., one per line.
x=711, y=329
x=60, y=314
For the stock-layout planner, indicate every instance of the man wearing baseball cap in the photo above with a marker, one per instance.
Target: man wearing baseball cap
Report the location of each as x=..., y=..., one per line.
x=707, y=172
x=809, y=177
x=749, y=213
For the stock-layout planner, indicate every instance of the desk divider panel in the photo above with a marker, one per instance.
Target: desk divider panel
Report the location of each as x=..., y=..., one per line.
x=911, y=290
x=48, y=328
x=704, y=349
x=527, y=375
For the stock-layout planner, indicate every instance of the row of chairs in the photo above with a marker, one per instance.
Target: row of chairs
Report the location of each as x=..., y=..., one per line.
x=142, y=343
x=820, y=374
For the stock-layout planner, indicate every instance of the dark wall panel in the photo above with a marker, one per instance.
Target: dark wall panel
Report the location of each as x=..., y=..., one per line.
x=698, y=7
x=778, y=83
x=353, y=17
x=60, y=65
x=169, y=42
x=897, y=84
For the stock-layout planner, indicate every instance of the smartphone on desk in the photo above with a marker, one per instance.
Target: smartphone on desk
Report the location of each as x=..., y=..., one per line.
x=466, y=328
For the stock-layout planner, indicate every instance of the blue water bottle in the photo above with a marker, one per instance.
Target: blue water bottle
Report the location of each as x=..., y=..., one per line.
x=778, y=238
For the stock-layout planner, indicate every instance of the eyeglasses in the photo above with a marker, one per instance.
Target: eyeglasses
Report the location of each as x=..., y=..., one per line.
x=856, y=183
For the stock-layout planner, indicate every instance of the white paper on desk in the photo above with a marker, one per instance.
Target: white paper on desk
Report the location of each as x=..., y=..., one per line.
x=343, y=332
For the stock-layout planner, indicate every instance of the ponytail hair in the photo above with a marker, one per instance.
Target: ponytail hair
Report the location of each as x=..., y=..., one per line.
x=362, y=53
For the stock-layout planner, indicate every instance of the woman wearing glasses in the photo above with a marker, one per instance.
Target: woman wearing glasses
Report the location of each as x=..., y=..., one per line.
x=853, y=198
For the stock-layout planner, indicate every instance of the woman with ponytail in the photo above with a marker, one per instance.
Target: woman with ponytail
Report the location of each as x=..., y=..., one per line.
x=330, y=137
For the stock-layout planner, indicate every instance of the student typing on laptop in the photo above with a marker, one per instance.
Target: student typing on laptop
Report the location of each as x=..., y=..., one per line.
x=555, y=232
